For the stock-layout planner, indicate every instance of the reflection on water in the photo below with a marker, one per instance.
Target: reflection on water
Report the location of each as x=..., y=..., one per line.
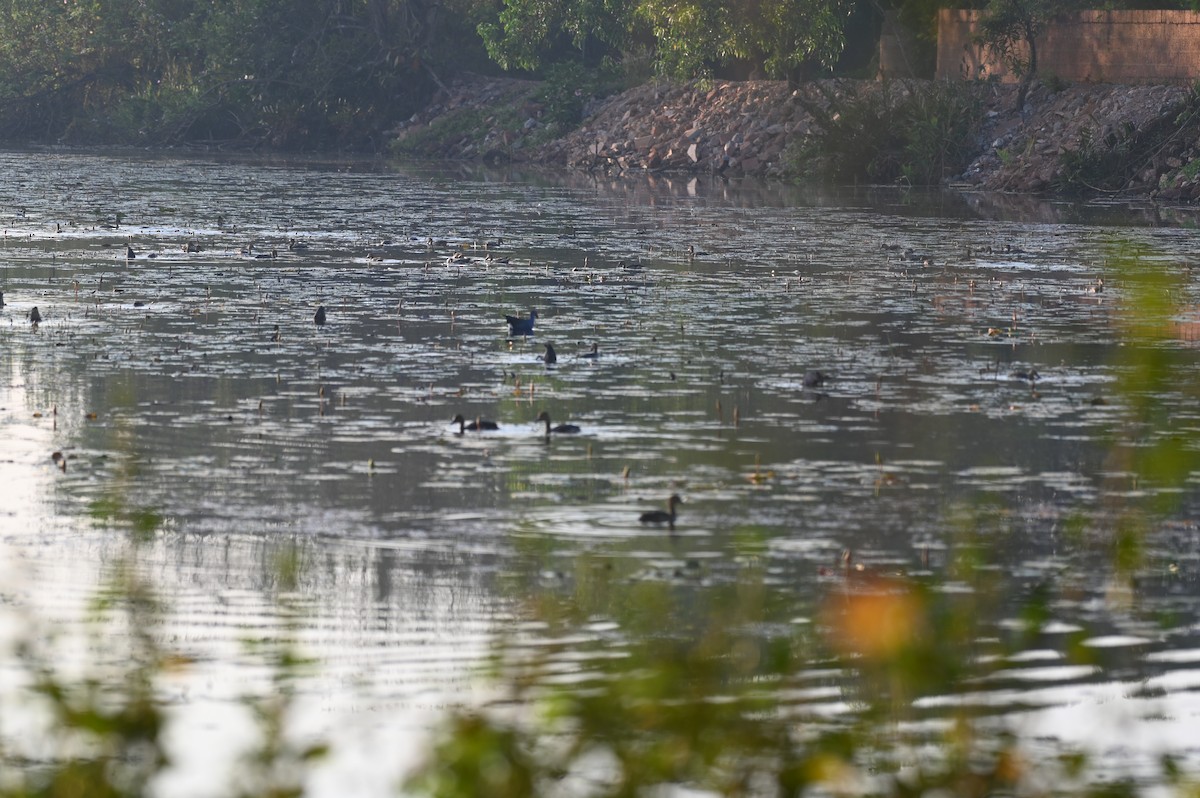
x=970, y=349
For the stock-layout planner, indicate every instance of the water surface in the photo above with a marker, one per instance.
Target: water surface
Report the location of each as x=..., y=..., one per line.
x=192, y=390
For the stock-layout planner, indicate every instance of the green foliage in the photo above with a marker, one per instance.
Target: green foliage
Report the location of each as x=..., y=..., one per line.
x=445, y=128
x=1190, y=169
x=791, y=34
x=447, y=131
x=689, y=38
x=325, y=73
x=567, y=86
x=476, y=757
x=908, y=132
x=105, y=731
x=784, y=35
x=530, y=33
x=691, y=700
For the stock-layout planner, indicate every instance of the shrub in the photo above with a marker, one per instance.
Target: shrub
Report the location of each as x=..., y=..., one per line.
x=917, y=133
x=566, y=89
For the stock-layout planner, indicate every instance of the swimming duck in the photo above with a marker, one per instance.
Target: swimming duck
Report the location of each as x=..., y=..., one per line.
x=662, y=516
x=551, y=356
x=520, y=326
x=295, y=245
x=814, y=378
x=475, y=426
x=561, y=429
x=319, y=316
x=595, y=353
x=191, y=246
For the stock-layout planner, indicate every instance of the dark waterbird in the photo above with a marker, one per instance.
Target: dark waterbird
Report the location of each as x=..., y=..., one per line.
x=662, y=516
x=475, y=426
x=594, y=353
x=561, y=429
x=814, y=378
x=35, y=316
x=551, y=356
x=1026, y=376
x=520, y=326
x=319, y=316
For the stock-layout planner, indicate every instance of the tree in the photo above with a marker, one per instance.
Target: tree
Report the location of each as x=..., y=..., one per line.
x=791, y=35
x=527, y=34
x=689, y=37
x=1010, y=30
x=314, y=74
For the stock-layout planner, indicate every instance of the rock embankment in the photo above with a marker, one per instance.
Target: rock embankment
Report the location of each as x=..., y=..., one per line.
x=729, y=128
x=1027, y=152
x=746, y=128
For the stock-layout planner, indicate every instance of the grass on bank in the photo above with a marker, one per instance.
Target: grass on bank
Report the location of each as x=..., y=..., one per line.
x=530, y=119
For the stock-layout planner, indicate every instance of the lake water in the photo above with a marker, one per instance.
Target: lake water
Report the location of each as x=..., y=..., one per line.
x=193, y=391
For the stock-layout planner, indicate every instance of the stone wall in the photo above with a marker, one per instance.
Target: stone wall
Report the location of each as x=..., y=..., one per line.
x=1129, y=47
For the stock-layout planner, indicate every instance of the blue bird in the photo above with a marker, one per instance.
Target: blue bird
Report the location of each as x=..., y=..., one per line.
x=520, y=326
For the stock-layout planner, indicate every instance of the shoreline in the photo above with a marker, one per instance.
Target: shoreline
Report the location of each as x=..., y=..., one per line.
x=735, y=129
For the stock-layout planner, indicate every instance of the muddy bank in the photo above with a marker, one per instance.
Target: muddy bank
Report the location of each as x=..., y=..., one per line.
x=746, y=129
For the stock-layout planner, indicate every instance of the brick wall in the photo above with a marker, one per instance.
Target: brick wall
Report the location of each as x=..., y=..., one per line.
x=1090, y=46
